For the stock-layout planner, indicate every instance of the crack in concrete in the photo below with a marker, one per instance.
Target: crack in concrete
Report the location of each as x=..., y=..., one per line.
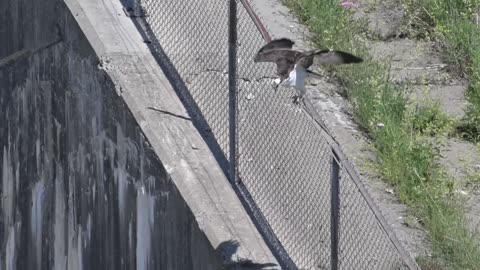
x=191, y=76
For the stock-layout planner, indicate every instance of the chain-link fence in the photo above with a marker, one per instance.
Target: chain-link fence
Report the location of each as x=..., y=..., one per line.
x=359, y=226
x=304, y=196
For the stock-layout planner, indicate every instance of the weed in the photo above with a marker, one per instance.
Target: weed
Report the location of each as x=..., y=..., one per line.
x=454, y=23
x=430, y=264
x=430, y=120
x=473, y=181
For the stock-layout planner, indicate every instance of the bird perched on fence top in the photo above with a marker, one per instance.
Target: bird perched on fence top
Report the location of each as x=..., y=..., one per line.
x=292, y=65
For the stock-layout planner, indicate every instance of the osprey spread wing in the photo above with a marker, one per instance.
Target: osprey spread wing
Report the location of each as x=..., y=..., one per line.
x=292, y=65
x=280, y=51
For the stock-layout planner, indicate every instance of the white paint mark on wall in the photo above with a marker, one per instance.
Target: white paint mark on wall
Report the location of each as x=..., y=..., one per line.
x=145, y=220
x=120, y=172
x=60, y=261
x=79, y=249
x=10, y=256
x=125, y=149
x=89, y=229
x=36, y=219
x=122, y=189
x=164, y=194
x=37, y=153
x=75, y=251
x=130, y=239
x=8, y=185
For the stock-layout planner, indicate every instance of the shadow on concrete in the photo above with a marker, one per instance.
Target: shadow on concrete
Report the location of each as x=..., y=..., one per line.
x=132, y=9
x=175, y=79
x=227, y=251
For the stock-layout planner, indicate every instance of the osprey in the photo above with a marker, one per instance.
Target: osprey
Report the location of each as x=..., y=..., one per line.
x=292, y=65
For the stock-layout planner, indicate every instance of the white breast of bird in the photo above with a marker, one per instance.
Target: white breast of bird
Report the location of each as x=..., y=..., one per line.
x=296, y=78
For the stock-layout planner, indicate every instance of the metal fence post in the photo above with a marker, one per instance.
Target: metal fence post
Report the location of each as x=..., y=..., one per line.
x=232, y=88
x=335, y=210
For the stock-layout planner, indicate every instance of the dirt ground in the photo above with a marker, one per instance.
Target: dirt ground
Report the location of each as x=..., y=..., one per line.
x=416, y=63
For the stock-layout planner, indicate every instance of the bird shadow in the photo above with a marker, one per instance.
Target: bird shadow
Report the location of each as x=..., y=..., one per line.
x=227, y=251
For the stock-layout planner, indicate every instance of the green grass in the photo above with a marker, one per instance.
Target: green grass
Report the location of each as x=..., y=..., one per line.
x=403, y=135
x=452, y=22
x=473, y=181
x=431, y=120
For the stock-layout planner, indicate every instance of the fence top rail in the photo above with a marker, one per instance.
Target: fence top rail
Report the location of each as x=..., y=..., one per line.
x=258, y=23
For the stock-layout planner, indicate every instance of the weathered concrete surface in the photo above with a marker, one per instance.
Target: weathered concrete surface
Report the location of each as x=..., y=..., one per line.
x=23, y=24
x=81, y=187
x=92, y=178
x=383, y=19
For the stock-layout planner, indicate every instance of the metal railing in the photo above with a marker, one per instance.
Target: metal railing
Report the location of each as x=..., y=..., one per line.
x=301, y=191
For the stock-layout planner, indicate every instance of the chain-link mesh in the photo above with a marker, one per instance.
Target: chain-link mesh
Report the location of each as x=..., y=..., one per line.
x=359, y=226
x=283, y=158
x=193, y=35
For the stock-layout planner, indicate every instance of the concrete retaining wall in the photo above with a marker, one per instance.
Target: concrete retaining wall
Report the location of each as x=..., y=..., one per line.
x=81, y=188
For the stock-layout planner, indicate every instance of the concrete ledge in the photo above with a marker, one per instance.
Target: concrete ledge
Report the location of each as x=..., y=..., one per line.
x=166, y=125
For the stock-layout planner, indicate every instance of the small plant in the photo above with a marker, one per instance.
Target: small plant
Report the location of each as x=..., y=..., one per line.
x=473, y=181
x=430, y=120
x=469, y=128
x=430, y=264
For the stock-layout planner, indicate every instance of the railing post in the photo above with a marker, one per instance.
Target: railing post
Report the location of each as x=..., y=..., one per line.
x=232, y=88
x=335, y=210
